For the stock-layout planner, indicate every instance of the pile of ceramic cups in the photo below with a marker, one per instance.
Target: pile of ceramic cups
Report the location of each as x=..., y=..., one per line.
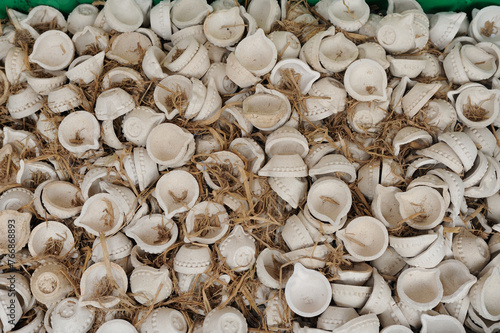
x=419, y=224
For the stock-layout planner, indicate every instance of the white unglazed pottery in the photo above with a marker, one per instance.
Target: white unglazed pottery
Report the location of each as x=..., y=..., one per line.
x=267, y=109
x=456, y=280
x=348, y=15
x=380, y=297
x=15, y=65
x=154, y=233
x=410, y=66
x=335, y=316
x=100, y=214
x=46, y=232
x=90, y=37
x=86, y=68
x=113, y=103
x=483, y=295
x=329, y=199
x=176, y=192
x=224, y=320
x=284, y=166
x=97, y=274
x=139, y=122
x=307, y=292
x=64, y=98
x=444, y=26
x=44, y=85
x=9, y=322
x=127, y=48
x=118, y=247
x=192, y=259
x=151, y=63
x=471, y=250
x=395, y=33
x=224, y=85
x=313, y=257
x=238, y=249
x=62, y=199
x=290, y=189
x=286, y=141
x=210, y=105
x=150, y=284
x=256, y=53
x=83, y=15
x=295, y=234
x=433, y=255
x=16, y=198
x=224, y=28
x=477, y=97
x=412, y=246
x=425, y=204
x=478, y=26
x=231, y=161
x=206, y=223
x=393, y=316
x=417, y=97
x=334, y=165
x=186, y=13
x=4, y=84
x=390, y=262
x=373, y=51
x=265, y=13
x=170, y=145
x=28, y=171
x=21, y=231
x=368, y=323
x=328, y=97
x=416, y=137
x=49, y=283
x=61, y=51
x=420, y=288
x=365, y=80
x=42, y=14
x=440, y=114
x=117, y=325
x=69, y=314
x=160, y=19
x=294, y=67
x=287, y=44
x=453, y=65
x=271, y=270
x=331, y=58
x=440, y=323
x=310, y=50
x=173, y=85
x=123, y=16
x=355, y=274
x=365, y=238
x=478, y=64
x=385, y=207
x=165, y=318
x=396, y=329
x=251, y=151
x=79, y=132
x=238, y=73
x=369, y=177
x=24, y=103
